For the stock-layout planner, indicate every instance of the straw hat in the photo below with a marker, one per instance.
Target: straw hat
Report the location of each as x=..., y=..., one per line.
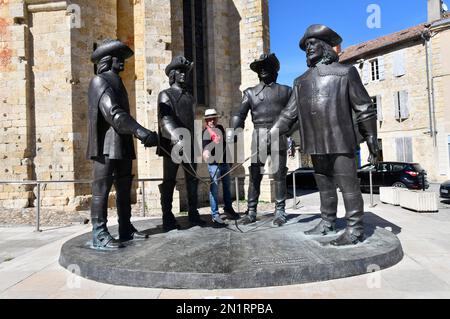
x=211, y=114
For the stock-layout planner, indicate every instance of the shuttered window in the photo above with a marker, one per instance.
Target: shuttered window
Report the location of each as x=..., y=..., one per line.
x=381, y=68
x=365, y=71
x=401, y=100
x=399, y=63
x=376, y=102
x=404, y=147
x=375, y=70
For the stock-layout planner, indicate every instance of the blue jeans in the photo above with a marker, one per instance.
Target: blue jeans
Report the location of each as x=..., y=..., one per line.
x=215, y=172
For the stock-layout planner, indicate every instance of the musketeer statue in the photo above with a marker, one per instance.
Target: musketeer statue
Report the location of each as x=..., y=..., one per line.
x=326, y=99
x=111, y=146
x=265, y=103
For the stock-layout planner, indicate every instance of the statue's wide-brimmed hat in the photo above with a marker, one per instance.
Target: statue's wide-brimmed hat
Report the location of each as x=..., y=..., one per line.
x=269, y=60
x=113, y=48
x=321, y=32
x=180, y=63
x=211, y=114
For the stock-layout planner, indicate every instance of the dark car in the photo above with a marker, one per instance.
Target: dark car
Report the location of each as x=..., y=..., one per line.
x=445, y=190
x=397, y=174
x=304, y=179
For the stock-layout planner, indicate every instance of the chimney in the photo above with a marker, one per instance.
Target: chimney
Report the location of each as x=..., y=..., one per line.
x=434, y=10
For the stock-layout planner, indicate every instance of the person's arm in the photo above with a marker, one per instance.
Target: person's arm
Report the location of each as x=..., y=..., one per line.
x=205, y=142
x=288, y=117
x=296, y=126
x=366, y=114
x=122, y=121
x=166, y=118
x=239, y=117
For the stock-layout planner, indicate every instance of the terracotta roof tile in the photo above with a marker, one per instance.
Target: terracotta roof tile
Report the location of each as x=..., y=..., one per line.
x=359, y=50
x=354, y=52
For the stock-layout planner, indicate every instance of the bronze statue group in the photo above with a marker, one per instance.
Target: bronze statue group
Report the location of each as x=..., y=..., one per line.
x=322, y=105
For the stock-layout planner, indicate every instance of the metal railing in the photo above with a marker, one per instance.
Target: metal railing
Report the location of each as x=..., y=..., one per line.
x=142, y=182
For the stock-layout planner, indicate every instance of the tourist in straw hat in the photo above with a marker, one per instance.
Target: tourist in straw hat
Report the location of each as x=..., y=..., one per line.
x=214, y=153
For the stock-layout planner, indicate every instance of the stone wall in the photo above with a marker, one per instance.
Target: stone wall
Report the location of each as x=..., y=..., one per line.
x=157, y=43
x=45, y=73
x=228, y=61
x=53, y=56
x=441, y=74
x=94, y=28
x=51, y=67
x=16, y=150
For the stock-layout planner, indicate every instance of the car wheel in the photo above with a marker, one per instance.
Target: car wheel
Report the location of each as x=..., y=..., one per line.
x=399, y=185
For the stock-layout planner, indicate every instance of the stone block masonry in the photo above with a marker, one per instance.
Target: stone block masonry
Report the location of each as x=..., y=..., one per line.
x=45, y=72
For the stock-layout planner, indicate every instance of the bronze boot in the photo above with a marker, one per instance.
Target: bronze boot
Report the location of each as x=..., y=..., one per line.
x=354, y=233
x=328, y=206
x=169, y=222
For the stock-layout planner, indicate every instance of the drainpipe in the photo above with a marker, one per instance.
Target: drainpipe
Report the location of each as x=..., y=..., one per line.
x=426, y=36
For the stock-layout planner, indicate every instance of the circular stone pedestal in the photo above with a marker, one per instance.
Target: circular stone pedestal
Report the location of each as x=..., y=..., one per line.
x=258, y=255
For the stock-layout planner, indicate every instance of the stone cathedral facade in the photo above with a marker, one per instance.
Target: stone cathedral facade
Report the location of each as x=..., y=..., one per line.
x=45, y=71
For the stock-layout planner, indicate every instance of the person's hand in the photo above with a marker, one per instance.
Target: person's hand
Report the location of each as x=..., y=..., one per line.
x=206, y=156
x=374, y=149
x=147, y=137
x=142, y=134
x=151, y=140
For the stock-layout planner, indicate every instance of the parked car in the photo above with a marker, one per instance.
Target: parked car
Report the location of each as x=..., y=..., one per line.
x=397, y=174
x=445, y=190
x=384, y=174
x=304, y=179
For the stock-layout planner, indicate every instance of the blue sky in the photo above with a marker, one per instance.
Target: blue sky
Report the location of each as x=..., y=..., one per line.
x=290, y=18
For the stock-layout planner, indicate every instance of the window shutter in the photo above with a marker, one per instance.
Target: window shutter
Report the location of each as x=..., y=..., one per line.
x=396, y=106
x=408, y=150
x=399, y=63
x=399, y=143
x=381, y=68
x=379, y=109
x=366, y=73
x=404, y=105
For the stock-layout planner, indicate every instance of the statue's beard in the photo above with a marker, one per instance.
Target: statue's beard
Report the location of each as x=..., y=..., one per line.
x=312, y=61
